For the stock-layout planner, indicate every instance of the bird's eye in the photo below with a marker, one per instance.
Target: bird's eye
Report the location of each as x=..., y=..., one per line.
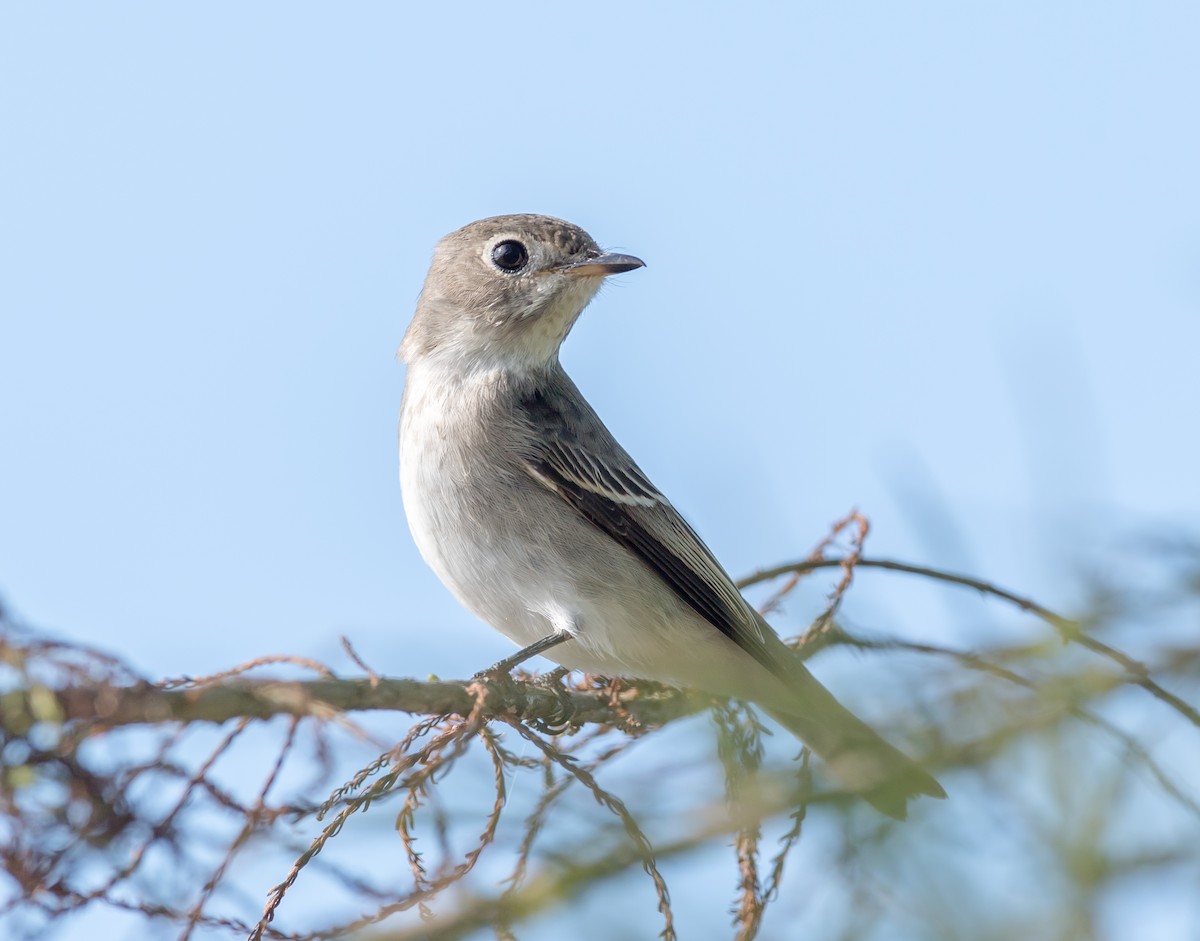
x=510, y=256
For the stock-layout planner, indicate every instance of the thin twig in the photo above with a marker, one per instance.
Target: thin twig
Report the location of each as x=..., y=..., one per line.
x=1070, y=631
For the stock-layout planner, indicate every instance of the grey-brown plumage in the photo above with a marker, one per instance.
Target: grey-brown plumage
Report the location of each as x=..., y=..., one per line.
x=539, y=522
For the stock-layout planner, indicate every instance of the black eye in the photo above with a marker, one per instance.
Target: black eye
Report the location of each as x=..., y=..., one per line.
x=510, y=256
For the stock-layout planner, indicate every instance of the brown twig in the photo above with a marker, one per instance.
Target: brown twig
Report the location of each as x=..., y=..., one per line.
x=617, y=807
x=362, y=665
x=1071, y=631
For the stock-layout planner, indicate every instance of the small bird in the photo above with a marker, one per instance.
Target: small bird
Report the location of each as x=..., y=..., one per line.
x=540, y=523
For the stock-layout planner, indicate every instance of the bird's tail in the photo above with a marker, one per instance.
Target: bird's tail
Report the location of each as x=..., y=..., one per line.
x=857, y=755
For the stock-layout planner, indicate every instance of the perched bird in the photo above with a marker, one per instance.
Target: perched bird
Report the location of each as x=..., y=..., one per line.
x=532, y=514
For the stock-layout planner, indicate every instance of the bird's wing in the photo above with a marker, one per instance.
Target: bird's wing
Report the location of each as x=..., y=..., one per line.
x=572, y=454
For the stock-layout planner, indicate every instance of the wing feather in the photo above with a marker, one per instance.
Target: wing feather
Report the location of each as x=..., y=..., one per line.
x=572, y=454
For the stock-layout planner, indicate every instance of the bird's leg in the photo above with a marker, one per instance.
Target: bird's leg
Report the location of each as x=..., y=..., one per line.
x=553, y=679
x=503, y=667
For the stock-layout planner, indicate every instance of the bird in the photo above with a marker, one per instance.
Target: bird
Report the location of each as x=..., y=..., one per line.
x=539, y=522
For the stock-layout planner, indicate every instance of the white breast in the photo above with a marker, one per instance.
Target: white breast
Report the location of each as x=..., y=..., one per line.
x=445, y=482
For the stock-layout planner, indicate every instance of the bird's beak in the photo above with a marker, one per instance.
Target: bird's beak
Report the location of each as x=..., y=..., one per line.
x=602, y=265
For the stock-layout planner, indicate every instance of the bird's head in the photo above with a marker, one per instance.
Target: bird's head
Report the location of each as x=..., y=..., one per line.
x=508, y=290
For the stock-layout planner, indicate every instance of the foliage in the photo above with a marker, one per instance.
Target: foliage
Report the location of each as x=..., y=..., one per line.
x=1067, y=751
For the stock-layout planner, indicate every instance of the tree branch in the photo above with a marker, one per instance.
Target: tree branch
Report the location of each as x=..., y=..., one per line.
x=146, y=704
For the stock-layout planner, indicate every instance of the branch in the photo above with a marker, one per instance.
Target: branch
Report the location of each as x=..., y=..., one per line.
x=1071, y=631
x=146, y=704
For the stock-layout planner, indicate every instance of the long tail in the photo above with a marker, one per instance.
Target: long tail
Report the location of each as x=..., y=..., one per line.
x=858, y=756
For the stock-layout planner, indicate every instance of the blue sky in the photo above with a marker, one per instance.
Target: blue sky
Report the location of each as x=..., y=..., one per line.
x=934, y=261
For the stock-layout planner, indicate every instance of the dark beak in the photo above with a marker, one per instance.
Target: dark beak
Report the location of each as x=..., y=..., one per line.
x=602, y=265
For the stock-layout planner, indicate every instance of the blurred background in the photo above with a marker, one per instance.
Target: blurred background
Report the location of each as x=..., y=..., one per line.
x=936, y=262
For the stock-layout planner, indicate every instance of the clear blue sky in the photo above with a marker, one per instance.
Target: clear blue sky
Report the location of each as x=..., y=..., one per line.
x=936, y=261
